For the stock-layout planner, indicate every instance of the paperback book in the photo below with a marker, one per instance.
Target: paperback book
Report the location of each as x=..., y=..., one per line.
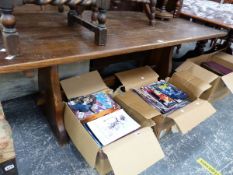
x=111, y=127
x=93, y=106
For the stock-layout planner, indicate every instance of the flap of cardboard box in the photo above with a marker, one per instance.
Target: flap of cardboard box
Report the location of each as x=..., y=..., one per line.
x=83, y=85
x=131, y=101
x=228, y=80
x=1, y=112
x=137, y=77
x=192, y=115
x=197, y=71
x=80, y=137
x=205, y=57
x=189, y=83
x=134, y=153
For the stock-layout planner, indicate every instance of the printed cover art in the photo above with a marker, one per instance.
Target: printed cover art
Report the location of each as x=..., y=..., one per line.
x=169, y=90
x=93, y=106
x=111, y=127
x=163, y=96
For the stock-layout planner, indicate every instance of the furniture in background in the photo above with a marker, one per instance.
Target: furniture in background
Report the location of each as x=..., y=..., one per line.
x=216, y=15
x=7, y=153
x=96, y=24
x=43, y=47
x=165, y=9
x=228, y=1
x=8, y=20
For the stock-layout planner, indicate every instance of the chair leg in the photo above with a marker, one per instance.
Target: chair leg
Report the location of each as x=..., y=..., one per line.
x=94, y=16
x=9, y=33
x=229, y=42
x=153, y=11
x=101, y=33
x=163, y=8
x=177, y=11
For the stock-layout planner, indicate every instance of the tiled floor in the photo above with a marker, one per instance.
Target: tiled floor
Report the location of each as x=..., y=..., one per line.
x=38, y=152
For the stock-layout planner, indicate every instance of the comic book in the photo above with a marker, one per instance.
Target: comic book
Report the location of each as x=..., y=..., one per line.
x=111, y=127
x=163, y=96
x=92, y=106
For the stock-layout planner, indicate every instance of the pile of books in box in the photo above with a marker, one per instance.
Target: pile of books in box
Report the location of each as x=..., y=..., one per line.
x=163, y=96
x=102, y=117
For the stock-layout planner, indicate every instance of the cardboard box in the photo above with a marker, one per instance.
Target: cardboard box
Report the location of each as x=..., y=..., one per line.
x=129, y=155
x=1, y=112
x=185, y=118
x=221, y=85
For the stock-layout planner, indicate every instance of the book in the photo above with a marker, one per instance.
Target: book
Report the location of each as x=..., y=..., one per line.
x=216, y=68
x=170, y=90
x=112, y=127
x=93, y=106
x=163, y=96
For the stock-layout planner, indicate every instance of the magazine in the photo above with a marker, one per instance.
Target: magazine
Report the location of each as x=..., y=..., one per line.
x=92, y=106
x=170, y=90
x=163, y=96
x=111, y=127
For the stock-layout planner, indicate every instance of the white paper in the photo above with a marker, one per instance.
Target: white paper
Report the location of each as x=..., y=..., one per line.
x=112, y=126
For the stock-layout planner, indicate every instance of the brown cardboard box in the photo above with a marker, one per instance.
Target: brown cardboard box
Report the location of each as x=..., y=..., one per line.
x=185, y=119
x=129, y=155
x=1, y=112
x=221, y=86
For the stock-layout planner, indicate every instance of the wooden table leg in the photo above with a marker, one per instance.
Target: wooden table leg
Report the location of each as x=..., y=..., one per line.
x=161, y=60
x=199, y=50
x=49, y=85
x=230, y=42
x=8, y=22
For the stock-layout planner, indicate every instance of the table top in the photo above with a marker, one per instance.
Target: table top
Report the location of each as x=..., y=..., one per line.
x=46, y=40
x=216, y=22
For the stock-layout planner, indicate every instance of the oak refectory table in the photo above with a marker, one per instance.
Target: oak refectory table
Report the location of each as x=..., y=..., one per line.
x=47, y=42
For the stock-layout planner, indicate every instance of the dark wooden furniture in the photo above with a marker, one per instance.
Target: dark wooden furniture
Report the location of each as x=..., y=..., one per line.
x=165, y=9
x=46, y=42
x=216, y=23
x=8, y=20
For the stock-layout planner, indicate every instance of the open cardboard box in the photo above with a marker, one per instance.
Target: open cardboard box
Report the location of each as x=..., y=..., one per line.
x=221, y=85
x=129, y=155
x=185, y=118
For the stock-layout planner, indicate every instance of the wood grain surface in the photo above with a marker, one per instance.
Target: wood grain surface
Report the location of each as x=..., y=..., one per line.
x=46, y=40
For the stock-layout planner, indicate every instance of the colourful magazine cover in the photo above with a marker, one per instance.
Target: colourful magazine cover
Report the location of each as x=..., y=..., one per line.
x=93, y=106
x=163, y=96
x=170, y=90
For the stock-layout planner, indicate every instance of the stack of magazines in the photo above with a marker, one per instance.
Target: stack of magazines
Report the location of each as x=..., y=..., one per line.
x=102, y=117
x=163, y=96
x=216, y=68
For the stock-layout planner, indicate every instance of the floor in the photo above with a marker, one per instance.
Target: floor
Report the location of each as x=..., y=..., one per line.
x=38, y=152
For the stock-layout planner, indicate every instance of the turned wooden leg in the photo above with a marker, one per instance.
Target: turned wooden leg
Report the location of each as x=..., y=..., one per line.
x=200, y=47
x=70, y=17
x=49, y=85
x=164, y=5
x=230, y=42
x=94, y=16
x=177, y=11
x=178, y=47
x=9, y=33
x=199, y=50
x=101, y=33
x=61, y=8
x=152, y=10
